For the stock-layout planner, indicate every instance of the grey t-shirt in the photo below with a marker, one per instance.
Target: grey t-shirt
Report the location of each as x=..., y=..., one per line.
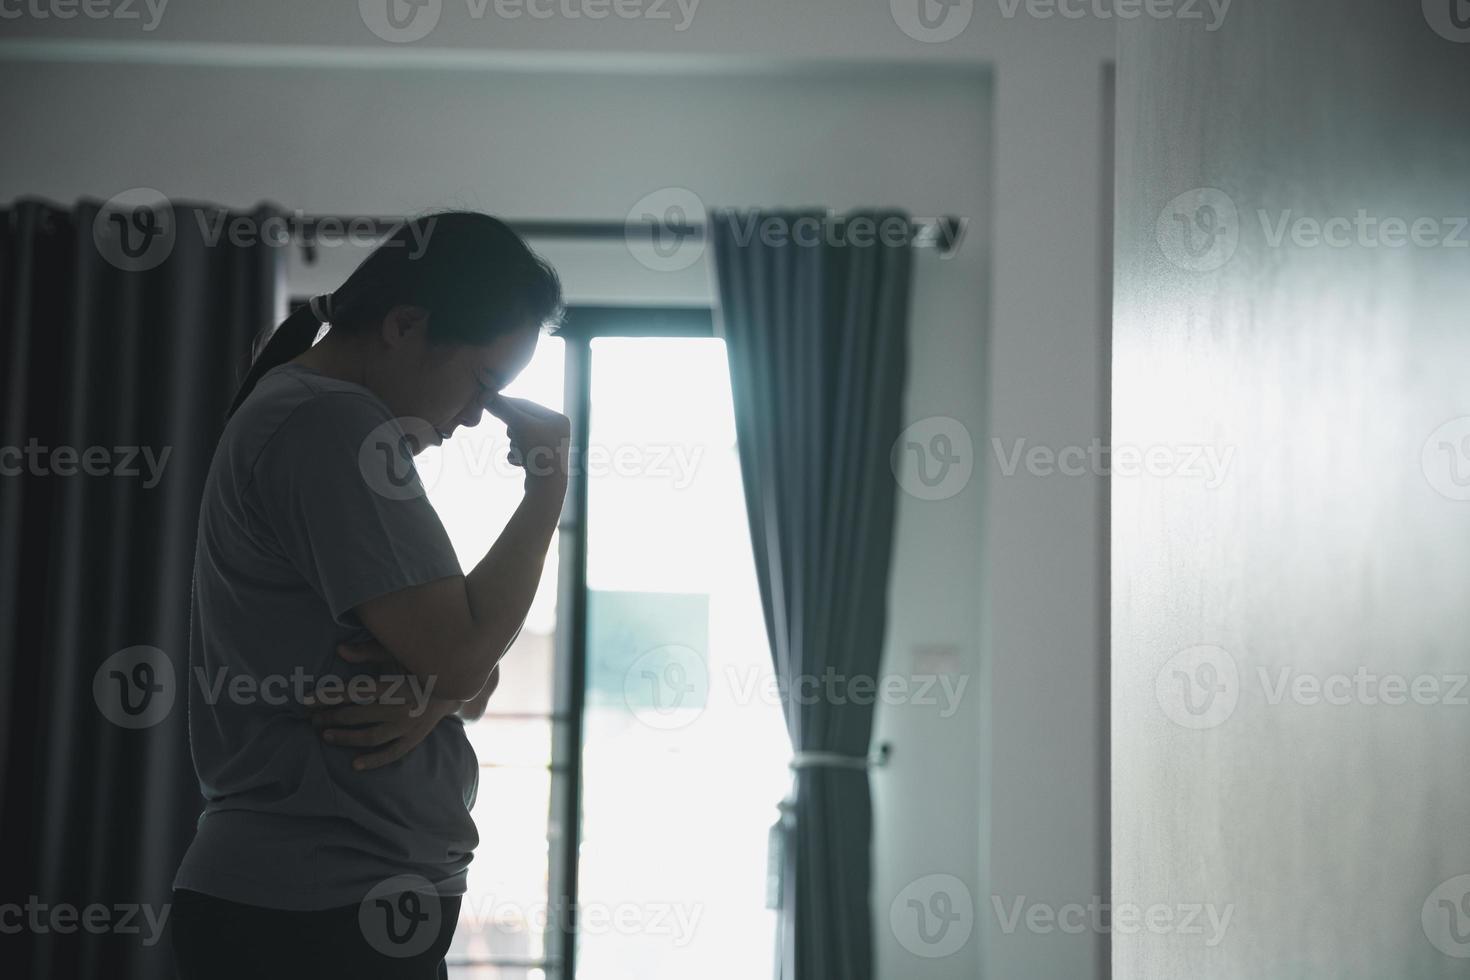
x=300, y=523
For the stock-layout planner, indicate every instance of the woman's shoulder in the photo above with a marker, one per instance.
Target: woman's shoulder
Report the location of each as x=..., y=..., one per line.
x=301, y=416
x=296, y=397
x=297, y=384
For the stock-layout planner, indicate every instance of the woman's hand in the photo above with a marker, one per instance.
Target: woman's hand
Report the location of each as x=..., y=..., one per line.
x=386, y=715
x=540, y=440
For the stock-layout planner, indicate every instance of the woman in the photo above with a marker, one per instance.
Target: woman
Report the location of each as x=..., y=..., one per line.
x=335, y=641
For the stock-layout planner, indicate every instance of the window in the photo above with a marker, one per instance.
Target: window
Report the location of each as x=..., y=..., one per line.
x=633, y=756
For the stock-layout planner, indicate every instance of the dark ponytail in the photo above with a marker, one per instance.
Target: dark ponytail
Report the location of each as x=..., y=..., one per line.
x=474, y=276
x=293, y=336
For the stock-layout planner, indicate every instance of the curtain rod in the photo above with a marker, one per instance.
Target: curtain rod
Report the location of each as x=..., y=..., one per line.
x=943, y=234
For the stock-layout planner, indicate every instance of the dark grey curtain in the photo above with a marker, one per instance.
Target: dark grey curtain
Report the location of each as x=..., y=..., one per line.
x=116, y=342
x=816, y=331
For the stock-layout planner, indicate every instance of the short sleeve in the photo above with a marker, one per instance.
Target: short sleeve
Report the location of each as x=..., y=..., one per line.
x=345, y=503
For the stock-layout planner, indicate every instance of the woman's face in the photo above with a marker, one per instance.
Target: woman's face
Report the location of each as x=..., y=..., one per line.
x=447, y=385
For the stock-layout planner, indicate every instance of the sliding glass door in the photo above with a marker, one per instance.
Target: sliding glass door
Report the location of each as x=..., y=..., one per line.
x=634, y=755
x=684, y=748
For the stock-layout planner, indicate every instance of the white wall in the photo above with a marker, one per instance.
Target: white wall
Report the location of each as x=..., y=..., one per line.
x=757, y=103
x=1264, y=764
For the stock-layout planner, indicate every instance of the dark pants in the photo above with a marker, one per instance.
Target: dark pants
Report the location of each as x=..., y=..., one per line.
x=218, y=940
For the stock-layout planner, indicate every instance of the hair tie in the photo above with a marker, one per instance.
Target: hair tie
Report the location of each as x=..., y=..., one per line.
x=321, y=307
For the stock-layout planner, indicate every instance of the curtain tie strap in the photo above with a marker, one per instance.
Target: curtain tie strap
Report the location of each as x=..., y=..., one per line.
x=835, y=760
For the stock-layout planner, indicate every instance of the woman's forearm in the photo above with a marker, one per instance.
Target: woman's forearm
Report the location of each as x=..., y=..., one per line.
x=502, y=586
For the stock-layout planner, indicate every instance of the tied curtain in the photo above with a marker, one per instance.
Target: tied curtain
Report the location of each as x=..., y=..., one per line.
x=816, y=330
x=122, y=333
